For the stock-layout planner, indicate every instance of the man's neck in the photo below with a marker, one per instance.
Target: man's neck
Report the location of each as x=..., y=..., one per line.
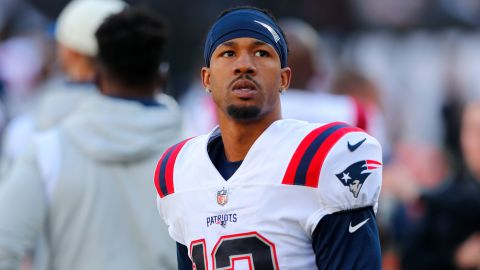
x=239, y=137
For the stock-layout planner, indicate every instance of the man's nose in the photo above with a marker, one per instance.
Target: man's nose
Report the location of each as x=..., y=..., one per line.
x=245, y=65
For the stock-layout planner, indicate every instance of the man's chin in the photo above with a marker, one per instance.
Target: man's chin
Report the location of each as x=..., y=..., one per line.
x=243, y=113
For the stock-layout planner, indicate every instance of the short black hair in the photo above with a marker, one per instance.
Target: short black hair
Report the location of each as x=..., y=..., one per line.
x=130, y=45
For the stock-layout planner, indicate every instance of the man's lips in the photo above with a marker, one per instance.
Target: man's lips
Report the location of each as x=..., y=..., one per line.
x=244, y=89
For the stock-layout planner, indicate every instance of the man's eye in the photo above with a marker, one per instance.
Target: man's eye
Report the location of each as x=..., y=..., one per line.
x=261, y=53
x=227, y=54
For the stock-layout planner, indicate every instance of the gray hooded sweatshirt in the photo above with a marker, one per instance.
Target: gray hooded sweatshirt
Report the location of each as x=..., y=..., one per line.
x=83, y=196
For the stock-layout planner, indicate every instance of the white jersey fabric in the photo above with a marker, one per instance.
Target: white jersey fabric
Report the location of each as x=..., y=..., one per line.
x=264, y=215
x=82, y=193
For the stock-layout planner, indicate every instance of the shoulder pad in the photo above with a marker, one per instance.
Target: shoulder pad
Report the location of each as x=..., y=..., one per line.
x=307, y=161
x=164, y=171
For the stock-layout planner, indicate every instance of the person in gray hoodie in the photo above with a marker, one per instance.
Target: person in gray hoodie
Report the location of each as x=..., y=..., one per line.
x=81, y=193
x=59, y=96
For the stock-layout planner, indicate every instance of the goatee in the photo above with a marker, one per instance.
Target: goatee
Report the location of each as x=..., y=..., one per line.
x=243, y=113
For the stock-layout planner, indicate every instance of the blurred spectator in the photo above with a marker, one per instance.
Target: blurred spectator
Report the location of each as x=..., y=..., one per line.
x=23, y=54
x=350, y=82
x=19, y=18
x=305, y=100
x=448, y=237
x=24, y=62
x=77, y=48
x=82, y=191
x=467, y=11
x=399, y=14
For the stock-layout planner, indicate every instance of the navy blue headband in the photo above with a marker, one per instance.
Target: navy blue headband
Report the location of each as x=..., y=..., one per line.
x=245, y=23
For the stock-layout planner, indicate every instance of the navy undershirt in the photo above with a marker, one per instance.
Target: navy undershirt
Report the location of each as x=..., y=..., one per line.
x=216, y=151
x=334, y=246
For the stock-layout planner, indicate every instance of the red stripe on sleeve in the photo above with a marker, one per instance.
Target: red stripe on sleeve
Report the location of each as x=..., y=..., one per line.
x=313, y=173
x=170, y=165
x=289, y=177
x=157, y=173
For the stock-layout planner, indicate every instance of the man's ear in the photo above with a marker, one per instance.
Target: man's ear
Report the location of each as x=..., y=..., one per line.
x=285, y=77
x=205, y=73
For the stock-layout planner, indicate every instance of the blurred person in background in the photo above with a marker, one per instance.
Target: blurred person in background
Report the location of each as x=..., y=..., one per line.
x=76, y=51
x=307, y=99
x=354, y=84
x=409, y=168
x=24, y=55
x=81, y=192
x=448, y=236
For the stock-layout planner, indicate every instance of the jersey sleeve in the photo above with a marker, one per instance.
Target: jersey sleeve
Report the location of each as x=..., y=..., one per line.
x=174, y=227
x=350, y=176
x=347, y=240
x=164, y=184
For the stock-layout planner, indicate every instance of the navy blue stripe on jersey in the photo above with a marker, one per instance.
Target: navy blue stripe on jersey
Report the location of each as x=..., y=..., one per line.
x=183, y=261
x=162, y=173
x=303, y=166
x=347, y=240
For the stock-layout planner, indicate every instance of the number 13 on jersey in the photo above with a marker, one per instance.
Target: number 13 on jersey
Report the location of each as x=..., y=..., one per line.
x=234, y=252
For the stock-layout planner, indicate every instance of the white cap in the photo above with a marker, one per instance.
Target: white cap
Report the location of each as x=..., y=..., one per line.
x=80, y=19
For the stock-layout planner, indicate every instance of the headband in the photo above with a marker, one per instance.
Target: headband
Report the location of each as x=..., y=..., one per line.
x=246, y=23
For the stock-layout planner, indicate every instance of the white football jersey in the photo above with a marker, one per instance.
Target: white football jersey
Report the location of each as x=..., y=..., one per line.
x=264, y=215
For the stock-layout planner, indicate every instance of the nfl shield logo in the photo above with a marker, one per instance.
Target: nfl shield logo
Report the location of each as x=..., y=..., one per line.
x=222, y=197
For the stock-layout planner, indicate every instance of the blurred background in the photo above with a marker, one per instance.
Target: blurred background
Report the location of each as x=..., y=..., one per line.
x=417, y=61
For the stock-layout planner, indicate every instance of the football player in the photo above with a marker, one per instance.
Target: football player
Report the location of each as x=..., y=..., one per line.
x=259, y=192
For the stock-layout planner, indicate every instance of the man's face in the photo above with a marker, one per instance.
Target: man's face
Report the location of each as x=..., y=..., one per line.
x=470, y=138
x=245, y=78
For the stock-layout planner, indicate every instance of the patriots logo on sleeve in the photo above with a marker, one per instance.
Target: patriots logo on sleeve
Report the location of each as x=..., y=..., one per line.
x=355, y=175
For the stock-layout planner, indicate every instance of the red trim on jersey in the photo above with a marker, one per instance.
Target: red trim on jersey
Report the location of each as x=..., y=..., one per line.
x=361, y=115
x=289, y=177
x=315, y=167
x=240, y=235
x=170, y=165
x=373, y=164
x=165, y=176
x=157, y=173
x=241, y=258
